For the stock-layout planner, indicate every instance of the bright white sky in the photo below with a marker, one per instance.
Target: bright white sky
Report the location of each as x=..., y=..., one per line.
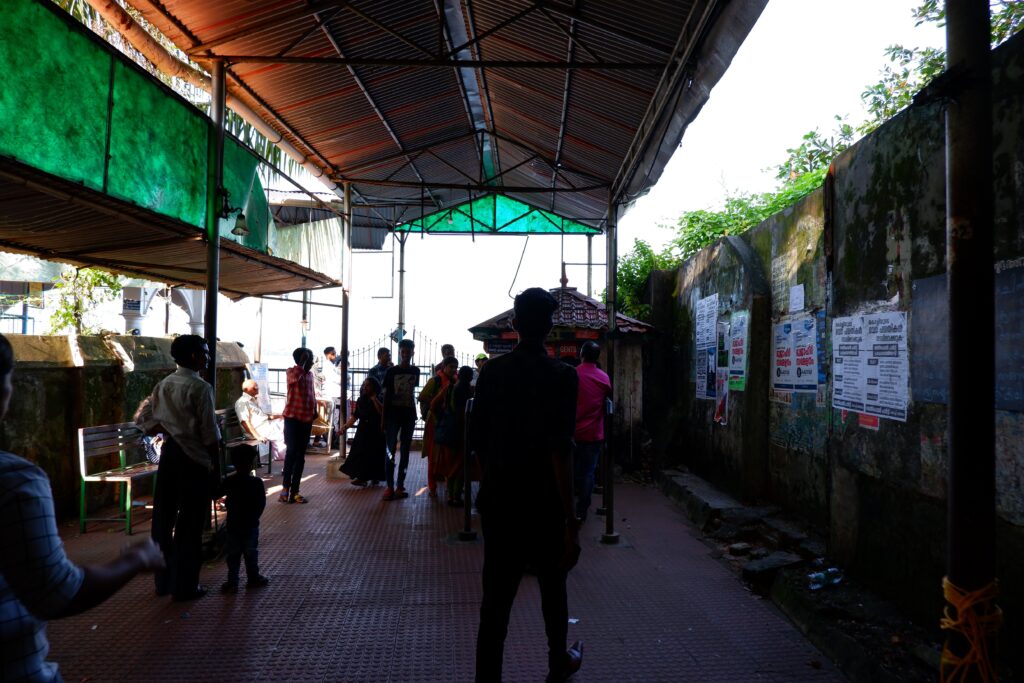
x=804, y=61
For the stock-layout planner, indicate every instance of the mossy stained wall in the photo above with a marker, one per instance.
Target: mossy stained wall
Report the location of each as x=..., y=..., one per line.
x=64, y=383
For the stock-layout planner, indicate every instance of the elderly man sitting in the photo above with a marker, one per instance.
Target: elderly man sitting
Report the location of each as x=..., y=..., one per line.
x=257, y=423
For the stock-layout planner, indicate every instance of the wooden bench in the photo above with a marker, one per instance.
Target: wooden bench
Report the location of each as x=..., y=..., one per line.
x=103, y=441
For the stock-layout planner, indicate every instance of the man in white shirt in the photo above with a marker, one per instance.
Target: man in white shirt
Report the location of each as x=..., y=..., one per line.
x=258, y=423
x=182, y=409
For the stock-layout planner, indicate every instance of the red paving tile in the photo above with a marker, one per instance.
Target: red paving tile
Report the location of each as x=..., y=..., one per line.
x=365, y=590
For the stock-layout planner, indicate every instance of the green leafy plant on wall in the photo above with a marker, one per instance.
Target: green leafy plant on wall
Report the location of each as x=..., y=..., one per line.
x=79, y=292
x=909, y=69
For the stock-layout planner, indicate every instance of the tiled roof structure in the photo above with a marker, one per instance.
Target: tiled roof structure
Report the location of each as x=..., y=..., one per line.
x=575, y=310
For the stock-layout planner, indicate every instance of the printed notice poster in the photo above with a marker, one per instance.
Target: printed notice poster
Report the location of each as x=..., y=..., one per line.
x=888, y=366
x=258, y=371
x=738, y=350
x=848, y=366
x=796, y=298
x=871, y=365
x=722, y=396
x=780, y=279
x=706, y=357
x=805, y=355
x=782, y=357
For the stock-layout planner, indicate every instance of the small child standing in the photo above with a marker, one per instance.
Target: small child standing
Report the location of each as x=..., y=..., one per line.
x=246, y=498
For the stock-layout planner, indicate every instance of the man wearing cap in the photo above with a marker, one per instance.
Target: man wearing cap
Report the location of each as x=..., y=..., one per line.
x=479, y=361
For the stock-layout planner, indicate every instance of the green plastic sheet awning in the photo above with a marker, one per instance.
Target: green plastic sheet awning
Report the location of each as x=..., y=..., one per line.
x=496, y=214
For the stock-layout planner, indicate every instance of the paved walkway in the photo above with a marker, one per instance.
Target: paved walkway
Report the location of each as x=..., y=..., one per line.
x=363, y=590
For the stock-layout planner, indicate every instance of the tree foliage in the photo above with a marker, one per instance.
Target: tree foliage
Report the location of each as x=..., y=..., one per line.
x=81, y=291
x=909, y=69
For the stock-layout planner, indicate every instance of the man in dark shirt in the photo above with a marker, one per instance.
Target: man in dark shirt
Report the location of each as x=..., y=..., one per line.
x=400, y=416
x=522, y=424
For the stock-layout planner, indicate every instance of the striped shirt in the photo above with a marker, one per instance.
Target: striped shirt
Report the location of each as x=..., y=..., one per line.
x=37, y=580
x=301, y=401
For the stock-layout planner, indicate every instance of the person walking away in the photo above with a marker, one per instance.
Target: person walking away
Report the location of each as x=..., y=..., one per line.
x=365, y=461
x=521, y=428
x=299, y=414
x=181, y=407
x=246, y=499
x=399, y=417
x=434, y=387
x=37, y=580
x=259, y=424
x=379, y=370
x=449, y=408
x=595, y=388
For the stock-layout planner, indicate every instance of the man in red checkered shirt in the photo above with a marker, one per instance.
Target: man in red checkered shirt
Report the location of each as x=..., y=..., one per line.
x=299, y=413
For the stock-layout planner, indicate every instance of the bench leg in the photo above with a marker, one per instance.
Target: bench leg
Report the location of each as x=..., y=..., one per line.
x=128, y=507
x=81, y=508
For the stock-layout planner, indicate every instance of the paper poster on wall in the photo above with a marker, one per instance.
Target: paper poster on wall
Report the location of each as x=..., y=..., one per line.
x=871, y=365
x=796, y=298
x=782, y=358
x=706, y=342
x=888, y=366
x=258, y=372
x=738, y=350
x=847, y=364
x=805, y=355
x=722, y=396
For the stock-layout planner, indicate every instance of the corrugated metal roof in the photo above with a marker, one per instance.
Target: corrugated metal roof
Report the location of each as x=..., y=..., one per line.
x=58, y=220
x=575, y=311
x=387, y=109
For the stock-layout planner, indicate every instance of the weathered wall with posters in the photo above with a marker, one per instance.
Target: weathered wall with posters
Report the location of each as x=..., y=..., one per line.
x=62, y=383
x=858, y=447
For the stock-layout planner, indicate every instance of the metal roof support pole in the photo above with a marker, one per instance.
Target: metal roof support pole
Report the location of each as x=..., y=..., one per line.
x=971, y=410
x=400, y=332
x=346, y=250
x=612, y=261
x=590, y=265
x=215, y=204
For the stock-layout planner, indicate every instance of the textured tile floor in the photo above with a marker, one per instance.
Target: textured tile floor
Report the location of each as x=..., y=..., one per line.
x=363, y=590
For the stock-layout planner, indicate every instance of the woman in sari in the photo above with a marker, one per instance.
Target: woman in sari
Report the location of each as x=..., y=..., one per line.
x=450, y=442
x=434, y=387
x=365, y=461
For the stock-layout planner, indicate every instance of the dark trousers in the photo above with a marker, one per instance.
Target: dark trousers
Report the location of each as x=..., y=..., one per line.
x=508, y=547
x=181, y=506
x=296, y=441
x=584, y=459
x=241, y=543
x=398, y=438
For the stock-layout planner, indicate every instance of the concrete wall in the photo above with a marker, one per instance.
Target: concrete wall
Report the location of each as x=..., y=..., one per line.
x=63, y=383
x=872, y=240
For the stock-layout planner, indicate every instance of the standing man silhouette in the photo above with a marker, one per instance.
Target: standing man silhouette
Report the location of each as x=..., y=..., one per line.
x=522, y=423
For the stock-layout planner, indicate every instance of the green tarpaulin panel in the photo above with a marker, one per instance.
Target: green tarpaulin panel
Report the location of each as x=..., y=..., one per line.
x=496, y=214
x=158, y=147
x=53, y=94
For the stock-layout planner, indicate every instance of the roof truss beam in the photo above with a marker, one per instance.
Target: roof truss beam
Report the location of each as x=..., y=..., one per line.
x=436, y=63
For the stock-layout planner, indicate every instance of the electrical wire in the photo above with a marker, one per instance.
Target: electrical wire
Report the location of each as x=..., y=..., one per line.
x=514, y=277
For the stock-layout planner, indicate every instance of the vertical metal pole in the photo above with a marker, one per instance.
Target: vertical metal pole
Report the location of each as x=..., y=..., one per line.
x=401, y=285
x=305, y=315
x=259, y=336
x=969, y=255
x=467, y=533
x=24, y=310
x=590, y=265
x=345, y=299
x=612, y=260
x=214, y=201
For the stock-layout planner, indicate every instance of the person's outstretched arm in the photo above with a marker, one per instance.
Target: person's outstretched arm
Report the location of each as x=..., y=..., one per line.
x=100, y=581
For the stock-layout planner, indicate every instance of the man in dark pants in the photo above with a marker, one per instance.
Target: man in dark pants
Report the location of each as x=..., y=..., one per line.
x=399, y=417
x=299, y=414
x=522, y=424
x=181, y=407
